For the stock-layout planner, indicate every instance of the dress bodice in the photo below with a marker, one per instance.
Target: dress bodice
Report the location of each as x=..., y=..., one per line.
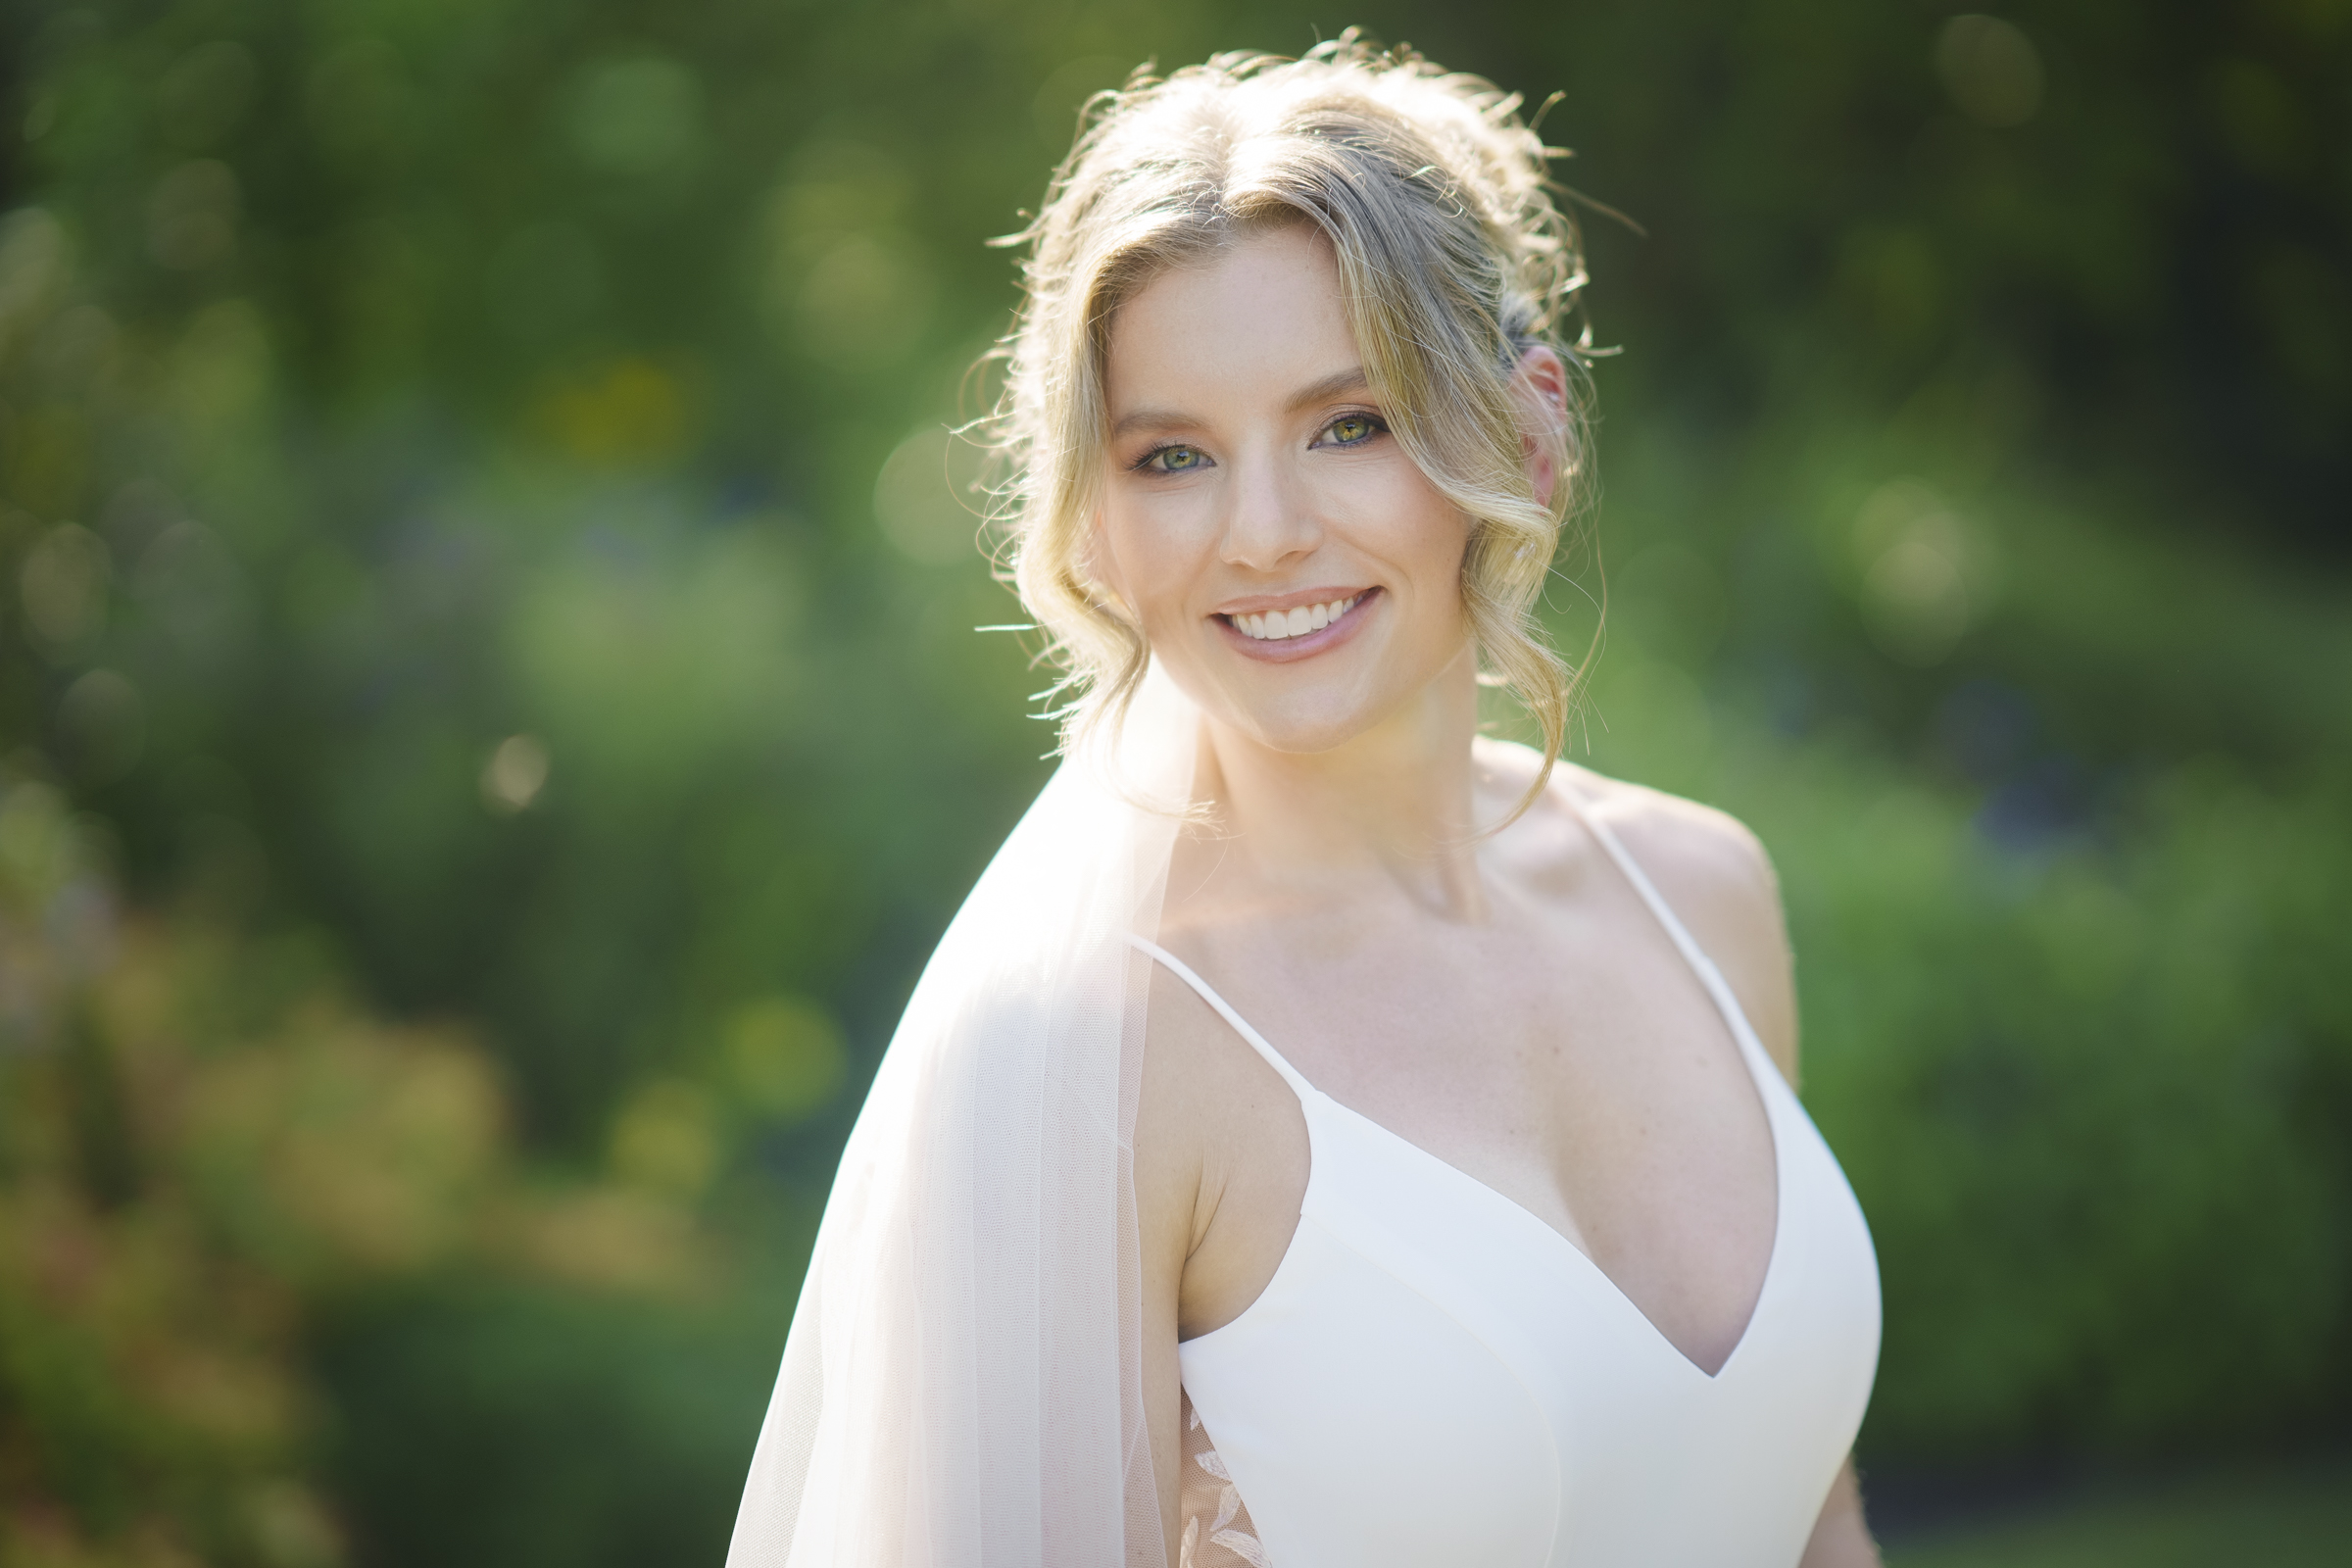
x=1433, y=1376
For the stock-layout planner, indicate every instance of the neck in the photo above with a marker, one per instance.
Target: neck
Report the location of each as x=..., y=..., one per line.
x=1393, y=802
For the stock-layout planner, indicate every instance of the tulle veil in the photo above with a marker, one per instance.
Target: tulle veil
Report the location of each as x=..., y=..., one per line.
x=962, y=1385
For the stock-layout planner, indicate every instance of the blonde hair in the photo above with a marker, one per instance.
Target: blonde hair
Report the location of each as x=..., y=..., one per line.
x=1454, y=262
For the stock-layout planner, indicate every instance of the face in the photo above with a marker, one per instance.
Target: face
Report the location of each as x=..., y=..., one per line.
x=1297, y=573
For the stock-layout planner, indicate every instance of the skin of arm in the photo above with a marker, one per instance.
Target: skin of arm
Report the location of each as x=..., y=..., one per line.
x=1220, y=1147
x=1167, y=1200
x=1161, y=1187
x=1841, y=1537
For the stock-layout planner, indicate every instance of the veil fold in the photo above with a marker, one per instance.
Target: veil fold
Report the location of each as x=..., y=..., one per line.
x=962, y=1385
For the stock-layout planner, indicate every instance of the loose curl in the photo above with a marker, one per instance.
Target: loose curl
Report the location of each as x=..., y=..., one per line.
x=1454, y=262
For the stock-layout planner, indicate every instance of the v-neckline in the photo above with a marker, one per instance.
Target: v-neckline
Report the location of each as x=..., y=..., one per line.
x=1727, y=1007
x=1585, y=1261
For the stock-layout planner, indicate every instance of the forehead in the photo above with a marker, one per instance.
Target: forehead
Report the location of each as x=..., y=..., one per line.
x=1256, y=319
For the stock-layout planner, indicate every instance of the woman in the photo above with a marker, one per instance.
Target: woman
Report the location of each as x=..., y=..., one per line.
x=1325, y=1137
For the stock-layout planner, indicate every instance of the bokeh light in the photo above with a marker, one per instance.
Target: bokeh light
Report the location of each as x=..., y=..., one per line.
x=494, y=725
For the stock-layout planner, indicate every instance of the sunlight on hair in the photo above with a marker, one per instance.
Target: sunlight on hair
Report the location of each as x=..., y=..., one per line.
x=1455, y=261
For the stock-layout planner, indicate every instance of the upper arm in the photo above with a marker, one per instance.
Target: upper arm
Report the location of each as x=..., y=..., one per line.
x=1841, y=1535
x=1167, y=1190
x=1221, y=1164
x=1716, y=877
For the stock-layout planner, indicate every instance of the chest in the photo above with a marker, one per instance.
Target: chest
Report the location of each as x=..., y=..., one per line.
x=1575, y=1064
x=1432, y=1377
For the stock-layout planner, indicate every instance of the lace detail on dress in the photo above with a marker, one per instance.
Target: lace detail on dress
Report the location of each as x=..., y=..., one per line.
x=1217, y=1532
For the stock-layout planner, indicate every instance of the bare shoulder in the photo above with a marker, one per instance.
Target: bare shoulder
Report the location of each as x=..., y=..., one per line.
x=1220, y=1158
x=1711, y=870
x=1684, y=846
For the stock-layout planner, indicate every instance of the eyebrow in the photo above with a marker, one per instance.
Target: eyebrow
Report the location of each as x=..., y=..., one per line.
x=1336, y=385
x=1352, y=379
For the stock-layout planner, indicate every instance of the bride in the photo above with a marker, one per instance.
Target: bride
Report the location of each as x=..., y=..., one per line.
x=1325, y=1138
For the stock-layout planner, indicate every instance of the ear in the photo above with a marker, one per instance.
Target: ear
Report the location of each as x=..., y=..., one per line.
x=1541, y=384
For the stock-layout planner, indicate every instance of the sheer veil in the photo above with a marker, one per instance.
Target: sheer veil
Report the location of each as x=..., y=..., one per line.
x=962, y=1384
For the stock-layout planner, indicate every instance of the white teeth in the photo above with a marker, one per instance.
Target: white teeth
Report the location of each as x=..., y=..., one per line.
x=1275, y=625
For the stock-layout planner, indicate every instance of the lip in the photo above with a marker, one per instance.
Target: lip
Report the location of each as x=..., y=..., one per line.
x=1290, y=649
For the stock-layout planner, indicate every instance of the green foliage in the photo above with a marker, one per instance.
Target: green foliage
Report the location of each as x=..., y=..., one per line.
x=476, y=518
x=510, y=1425
x=207, y=1160
x=2092, y=1106
x=2298, y=1518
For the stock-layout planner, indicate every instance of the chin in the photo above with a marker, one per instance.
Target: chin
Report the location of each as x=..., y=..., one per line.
x=1304, y=723
x=1302, y=709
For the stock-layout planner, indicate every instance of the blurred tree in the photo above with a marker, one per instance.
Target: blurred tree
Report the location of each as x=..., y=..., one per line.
x=209, y=1167
x=474, y=501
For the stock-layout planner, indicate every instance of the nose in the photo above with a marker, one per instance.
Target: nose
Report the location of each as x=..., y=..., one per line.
x=1270, y=521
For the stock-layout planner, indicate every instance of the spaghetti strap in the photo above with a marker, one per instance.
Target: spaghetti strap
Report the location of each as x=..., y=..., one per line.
x=1257, y=1041
x=1710, y=978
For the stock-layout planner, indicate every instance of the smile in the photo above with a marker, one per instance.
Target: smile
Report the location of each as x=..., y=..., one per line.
x=1276, y=625
x=1299, y=631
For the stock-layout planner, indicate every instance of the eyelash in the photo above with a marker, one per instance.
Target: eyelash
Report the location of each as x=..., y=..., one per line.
x=1380, y=426
x=1143, y=463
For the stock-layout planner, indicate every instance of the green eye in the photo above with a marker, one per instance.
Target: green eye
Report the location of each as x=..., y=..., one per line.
x=1351, y=429
x=1176, y=460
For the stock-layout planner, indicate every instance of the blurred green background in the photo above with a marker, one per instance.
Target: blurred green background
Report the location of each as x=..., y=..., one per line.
x=490, y=720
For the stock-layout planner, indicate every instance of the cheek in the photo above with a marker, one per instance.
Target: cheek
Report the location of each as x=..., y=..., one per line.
x=1409, y=522
x=1149, y=553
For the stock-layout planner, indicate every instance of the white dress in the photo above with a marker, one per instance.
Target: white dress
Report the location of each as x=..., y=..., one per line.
x=1434, y=1376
